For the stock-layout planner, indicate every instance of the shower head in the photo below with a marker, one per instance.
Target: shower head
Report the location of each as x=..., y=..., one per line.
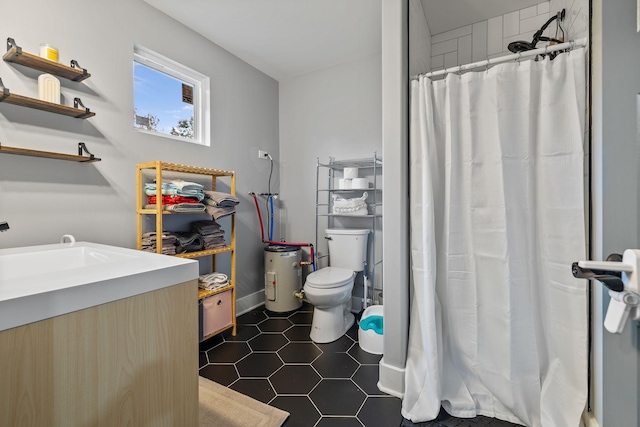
x=521, y=46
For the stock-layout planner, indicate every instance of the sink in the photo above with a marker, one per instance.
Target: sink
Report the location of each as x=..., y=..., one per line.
x=50, y=260
x=39, y=282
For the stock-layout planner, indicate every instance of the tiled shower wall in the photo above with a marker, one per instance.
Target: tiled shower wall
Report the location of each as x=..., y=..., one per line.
x=487, y=39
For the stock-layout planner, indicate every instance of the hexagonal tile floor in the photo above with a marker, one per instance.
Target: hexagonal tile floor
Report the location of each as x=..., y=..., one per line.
x=273, y=360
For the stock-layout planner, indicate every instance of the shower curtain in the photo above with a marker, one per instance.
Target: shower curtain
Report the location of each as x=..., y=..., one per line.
x=498, y=324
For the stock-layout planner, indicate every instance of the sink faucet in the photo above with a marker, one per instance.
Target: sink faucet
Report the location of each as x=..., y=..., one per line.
x=4, y=226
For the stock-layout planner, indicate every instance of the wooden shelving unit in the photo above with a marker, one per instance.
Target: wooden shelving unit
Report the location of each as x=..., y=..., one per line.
x=163, y=169
x=47, y=154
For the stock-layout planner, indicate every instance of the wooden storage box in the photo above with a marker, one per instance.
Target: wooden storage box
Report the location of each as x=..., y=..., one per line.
x=216, y=313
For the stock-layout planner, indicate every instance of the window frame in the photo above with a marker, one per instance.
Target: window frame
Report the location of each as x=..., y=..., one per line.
x=201, y=93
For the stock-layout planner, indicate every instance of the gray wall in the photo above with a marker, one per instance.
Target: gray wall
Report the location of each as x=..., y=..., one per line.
x=43, y=198
x=616, y=86
x=333, y=112
x=395, y=50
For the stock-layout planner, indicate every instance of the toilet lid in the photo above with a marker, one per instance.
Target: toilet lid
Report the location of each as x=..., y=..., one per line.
x=330, y=277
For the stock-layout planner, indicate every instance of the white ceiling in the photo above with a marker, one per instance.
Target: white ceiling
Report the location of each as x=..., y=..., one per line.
x=287, y=38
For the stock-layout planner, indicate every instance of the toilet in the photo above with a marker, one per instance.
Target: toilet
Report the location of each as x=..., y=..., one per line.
x=329, y=289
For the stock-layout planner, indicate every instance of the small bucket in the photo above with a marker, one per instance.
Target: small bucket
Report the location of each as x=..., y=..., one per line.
x=371, y=330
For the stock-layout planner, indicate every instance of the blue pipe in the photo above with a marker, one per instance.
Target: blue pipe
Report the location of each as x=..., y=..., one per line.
x=270, y=217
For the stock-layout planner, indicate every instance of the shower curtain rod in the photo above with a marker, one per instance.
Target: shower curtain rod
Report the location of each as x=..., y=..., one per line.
x=516, y=56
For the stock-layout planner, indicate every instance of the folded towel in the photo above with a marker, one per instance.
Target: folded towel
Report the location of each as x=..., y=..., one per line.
x=181, y=207
x=213, y=281
x=205, y=226
x=176, y=188
x=217, y=212
x=186, y=185
x=172, y=200
x=188, y=242
x=220, y=199
x=168, y=242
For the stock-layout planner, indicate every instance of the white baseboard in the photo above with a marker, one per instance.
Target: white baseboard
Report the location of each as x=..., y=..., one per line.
x=391, y=379
x=249, y=302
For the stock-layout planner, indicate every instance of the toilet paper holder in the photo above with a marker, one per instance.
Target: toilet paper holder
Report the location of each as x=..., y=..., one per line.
x=619, y=274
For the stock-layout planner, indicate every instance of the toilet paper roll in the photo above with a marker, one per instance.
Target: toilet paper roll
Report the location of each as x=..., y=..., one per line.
x=351, y=173
x=360, y=183
x=344, y=184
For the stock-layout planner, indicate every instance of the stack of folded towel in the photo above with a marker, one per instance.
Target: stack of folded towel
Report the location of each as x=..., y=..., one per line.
x=177, y=196
x=168, y=242
x=188, y=242
x=212, y=234
x=219, y=204
x=213, y=281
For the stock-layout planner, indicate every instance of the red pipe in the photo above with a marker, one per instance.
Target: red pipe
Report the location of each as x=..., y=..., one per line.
x=272, y=242
x=255, y=199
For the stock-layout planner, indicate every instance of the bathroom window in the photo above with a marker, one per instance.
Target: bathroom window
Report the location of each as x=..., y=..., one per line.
x=169, y=99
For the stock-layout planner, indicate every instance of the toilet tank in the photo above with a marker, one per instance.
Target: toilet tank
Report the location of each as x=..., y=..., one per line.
x=347, y=247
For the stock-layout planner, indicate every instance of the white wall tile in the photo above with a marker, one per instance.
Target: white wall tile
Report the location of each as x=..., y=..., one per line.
x=577, y=17
x=450, y=59
x=543, y=8
x=479, y=41
x=453, y=34
x=444, y=47
x=494, y=35
x=464, y=50
x=437, y=61
x=511, y=24
x=533, y=24
x=528, y=12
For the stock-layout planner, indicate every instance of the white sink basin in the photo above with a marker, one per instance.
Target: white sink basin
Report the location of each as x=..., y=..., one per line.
x=39, y=282
x=51, y=260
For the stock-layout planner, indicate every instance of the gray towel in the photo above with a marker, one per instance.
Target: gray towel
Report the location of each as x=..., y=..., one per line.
x=220, y=199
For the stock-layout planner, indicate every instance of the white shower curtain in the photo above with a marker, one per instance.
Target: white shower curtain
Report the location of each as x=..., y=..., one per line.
x=498, y=323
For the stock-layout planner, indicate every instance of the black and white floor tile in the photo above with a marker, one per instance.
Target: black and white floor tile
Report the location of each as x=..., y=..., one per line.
x=273, y=360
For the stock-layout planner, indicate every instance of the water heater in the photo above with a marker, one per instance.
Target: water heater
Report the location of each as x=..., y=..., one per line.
x=282, y=278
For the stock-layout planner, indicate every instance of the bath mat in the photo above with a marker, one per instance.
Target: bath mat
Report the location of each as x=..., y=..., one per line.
x=223, y=407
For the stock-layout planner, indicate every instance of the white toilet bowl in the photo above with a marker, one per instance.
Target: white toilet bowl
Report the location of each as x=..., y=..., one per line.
x=329, y=291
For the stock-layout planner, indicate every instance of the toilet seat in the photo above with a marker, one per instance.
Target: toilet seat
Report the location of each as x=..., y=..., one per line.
x=329, y=277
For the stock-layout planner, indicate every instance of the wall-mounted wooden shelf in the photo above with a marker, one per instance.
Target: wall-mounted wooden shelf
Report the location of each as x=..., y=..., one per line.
x=16, y=55
x=47, y=154
x=25, y=101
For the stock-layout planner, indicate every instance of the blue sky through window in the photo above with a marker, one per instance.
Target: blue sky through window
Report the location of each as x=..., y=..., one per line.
x=159, y=94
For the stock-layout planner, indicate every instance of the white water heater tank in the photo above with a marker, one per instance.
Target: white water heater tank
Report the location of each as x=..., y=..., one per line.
x=282, y=278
